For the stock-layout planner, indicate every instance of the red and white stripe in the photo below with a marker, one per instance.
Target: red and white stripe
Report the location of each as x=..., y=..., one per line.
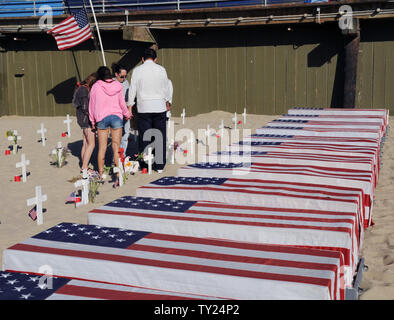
x=324, y=140
x=68, y=34
x=320, y=132
x=198, y=266
x=90, y=290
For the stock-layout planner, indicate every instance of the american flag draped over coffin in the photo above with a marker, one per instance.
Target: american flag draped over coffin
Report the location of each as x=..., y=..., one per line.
x=360, y=113
x=257, y=192
x=379, y=121
x=357, y=173
x=337, y=141
x=192, y=265
x=25, y=286
x=308, y=228
x=319, y=132
x=360, y=180
x=297, y=155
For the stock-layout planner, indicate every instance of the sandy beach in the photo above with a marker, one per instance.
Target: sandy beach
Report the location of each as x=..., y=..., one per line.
x=16, y=226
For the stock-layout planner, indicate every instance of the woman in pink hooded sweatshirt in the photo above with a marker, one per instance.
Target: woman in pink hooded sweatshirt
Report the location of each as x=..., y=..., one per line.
x=107, y=107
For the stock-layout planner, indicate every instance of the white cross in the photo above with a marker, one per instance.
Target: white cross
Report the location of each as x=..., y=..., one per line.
x=221, y=127
x=169, y=119
x=38, y=200
x=191, y=141
x=149, y=158
x=84, y=183
x=235, y=120
x=183, y=114
x=171, y=147
x=42, y=131
x=119, y=169
x=244, y=115
x=68, y=122
x=11, y=138
x=208, y=134
x=59, y=152
x=23, y=165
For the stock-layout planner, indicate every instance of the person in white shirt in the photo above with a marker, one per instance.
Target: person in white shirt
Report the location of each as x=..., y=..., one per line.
x=150, y=85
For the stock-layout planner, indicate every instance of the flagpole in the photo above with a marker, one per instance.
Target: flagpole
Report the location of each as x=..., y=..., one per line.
x=98, y=32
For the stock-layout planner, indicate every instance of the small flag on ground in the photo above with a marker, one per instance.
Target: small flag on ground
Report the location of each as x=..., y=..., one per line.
x=73, y=198
x=73, y=30
x=33, y=213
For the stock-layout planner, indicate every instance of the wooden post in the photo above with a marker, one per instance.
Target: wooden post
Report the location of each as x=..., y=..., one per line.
x=352, y=44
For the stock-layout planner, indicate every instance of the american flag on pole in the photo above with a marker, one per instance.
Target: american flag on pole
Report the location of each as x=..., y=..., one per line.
x=192, y=265
x=26, y=286
x=73, y=30
x=255, y=224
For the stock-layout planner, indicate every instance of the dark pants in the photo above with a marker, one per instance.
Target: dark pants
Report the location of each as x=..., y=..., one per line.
x=157, y=121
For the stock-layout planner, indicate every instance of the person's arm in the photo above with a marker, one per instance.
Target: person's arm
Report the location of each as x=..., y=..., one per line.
x=122, y=103
x=92, y=105
x=132, y=90
x=85, y=101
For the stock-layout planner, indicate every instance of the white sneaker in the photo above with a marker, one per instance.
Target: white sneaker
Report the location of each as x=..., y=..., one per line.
x=159, y=171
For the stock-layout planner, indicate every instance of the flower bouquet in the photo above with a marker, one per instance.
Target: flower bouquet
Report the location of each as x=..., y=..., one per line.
x=141, y=157
x=12, y=135
x=130, y=166
x=59, y=156
x=94, y=183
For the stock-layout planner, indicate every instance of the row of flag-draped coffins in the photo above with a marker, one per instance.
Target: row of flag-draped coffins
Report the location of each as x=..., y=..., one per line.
x=288, y=224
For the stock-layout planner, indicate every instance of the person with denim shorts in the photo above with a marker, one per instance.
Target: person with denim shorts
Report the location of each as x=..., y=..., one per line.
x=107, y=109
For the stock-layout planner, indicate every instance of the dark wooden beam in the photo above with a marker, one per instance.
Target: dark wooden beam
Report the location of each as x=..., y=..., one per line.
x=352, y=44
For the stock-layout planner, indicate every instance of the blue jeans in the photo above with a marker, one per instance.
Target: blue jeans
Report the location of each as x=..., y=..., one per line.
x=125, y=138
x=110, y=121
x=148, y=121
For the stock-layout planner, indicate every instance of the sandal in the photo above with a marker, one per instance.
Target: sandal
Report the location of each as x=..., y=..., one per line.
x=90, y=171
x=116, y=184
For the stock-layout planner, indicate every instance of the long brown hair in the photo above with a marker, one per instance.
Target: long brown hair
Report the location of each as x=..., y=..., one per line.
x=89, y=81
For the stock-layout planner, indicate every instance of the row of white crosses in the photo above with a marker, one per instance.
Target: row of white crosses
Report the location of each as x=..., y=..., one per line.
x=43, y=130
x=183, y=115
x=235, y=120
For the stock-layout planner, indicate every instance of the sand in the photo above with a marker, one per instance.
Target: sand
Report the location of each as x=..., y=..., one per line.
x=16, y=226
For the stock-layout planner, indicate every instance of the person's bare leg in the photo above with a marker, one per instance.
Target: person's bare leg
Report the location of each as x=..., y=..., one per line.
x=102, y=140
x=90, y=138
x=83, y=149
x=116, y=135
